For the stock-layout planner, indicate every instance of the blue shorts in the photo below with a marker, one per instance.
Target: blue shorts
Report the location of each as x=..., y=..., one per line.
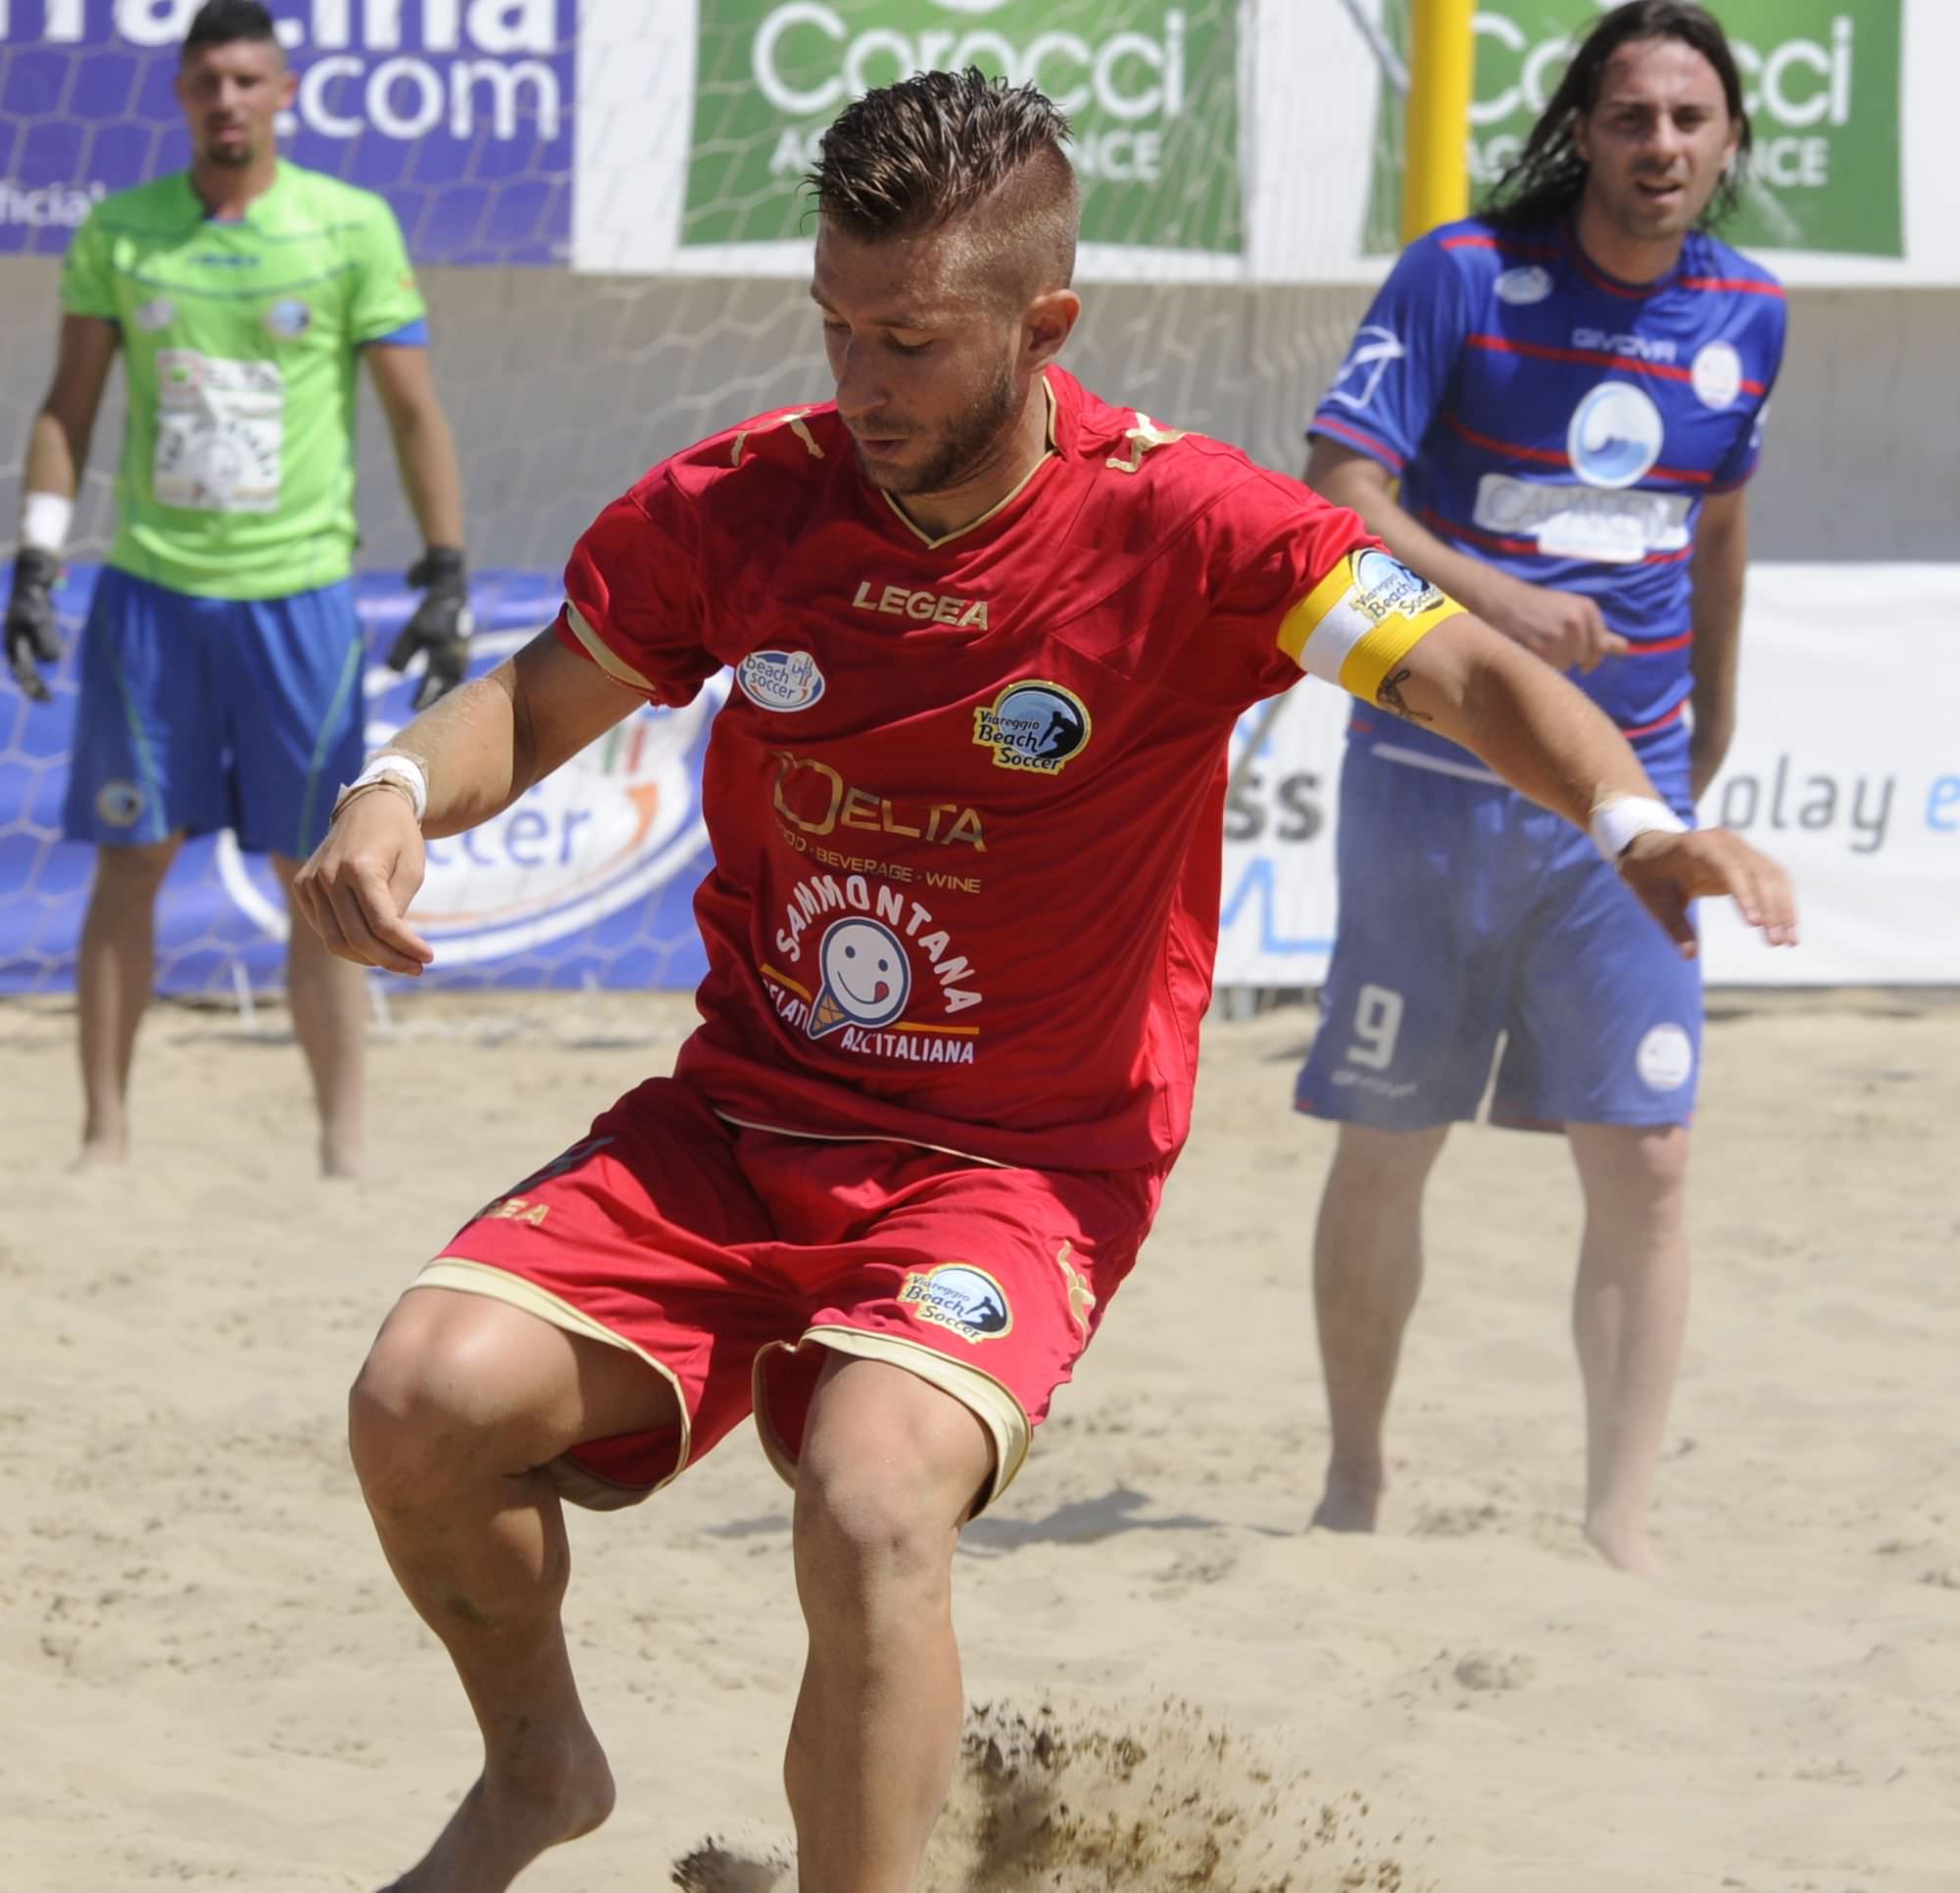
x=1468, y=916
x=199, y=713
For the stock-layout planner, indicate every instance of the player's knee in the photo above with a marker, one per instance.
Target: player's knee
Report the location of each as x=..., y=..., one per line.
x=416, y=1415
x=136, y=872
x=868, y=1531
x=1636, y=1170
x=878, y=1508
x=1384, y=1164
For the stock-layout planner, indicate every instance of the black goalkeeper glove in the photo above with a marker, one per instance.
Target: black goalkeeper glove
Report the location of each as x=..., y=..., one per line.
x=441, y=624
x=31, y=640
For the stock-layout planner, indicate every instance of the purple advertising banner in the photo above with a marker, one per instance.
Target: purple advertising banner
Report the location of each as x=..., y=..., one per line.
x=459, y=112
x=587, y=880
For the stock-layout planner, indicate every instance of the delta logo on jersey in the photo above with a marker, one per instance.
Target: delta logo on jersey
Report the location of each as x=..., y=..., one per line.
x=883, y=980
x=1035, y=725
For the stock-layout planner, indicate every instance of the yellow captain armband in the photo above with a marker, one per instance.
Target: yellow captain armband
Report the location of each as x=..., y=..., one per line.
x=1361, y=620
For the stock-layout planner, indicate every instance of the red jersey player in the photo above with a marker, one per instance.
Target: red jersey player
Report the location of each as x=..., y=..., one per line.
x=990, y=637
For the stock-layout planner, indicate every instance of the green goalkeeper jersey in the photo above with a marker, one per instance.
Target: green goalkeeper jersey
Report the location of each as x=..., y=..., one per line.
x=241, y=340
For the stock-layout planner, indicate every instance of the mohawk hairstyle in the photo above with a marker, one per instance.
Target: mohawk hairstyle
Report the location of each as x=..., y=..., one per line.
x=937, y=148
x=223, y=22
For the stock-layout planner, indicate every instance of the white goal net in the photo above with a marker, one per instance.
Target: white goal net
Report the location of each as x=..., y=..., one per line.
x=601, y=198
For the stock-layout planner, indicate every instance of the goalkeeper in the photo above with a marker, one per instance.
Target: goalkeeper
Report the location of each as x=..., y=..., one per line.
x=221, y=661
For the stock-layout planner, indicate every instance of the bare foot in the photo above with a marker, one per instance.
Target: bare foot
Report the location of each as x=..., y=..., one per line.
x=339, y=1157
x=1625, y=1546
x=1350, y=1503
x=101, y=1153
x=503, y=1826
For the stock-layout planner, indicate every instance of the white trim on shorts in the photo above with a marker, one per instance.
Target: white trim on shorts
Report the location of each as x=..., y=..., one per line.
x=988, y=1400
x=579, y=1484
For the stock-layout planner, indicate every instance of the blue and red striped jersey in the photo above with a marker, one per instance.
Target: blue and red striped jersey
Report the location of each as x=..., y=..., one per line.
x=1566, y=426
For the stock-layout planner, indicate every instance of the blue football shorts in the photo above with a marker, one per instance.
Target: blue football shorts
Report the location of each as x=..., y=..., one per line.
x=1471, y=920
x=199, y=713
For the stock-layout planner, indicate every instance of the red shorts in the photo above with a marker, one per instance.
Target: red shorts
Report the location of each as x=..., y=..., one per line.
x=731, y=1259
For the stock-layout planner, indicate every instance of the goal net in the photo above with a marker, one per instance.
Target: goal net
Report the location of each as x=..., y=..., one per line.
x=602, y=200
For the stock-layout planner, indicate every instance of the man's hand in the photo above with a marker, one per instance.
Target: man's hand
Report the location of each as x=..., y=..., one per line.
x=1563, y=628
x=1668, y=871
x=359, y=881
x=31, y=638
x=441, y=624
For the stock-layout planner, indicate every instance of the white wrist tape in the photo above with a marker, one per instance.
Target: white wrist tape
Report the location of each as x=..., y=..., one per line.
x=45, y=519
x=393, y=767
x=1621, y=820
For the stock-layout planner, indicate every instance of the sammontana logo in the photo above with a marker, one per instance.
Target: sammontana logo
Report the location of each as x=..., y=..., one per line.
x=1033, y=725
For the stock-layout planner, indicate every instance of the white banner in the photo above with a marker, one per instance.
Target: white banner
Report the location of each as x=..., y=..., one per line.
x=1846, y=769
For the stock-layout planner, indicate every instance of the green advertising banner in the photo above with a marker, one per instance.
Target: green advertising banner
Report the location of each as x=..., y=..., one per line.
x=1821, y=81
x=1151, y=88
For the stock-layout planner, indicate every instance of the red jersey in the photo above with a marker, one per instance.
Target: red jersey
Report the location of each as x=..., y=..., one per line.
x=965, y=799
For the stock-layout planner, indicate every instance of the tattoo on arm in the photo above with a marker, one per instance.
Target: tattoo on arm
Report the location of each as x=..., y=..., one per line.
x=1390, y=696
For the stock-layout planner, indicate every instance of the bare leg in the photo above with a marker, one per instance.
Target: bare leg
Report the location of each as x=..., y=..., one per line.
x=114, y=974
x=329, y=1002
x=890, y=1469
x=462, y=1403
x=1629, y=1314
x=1367, y=1272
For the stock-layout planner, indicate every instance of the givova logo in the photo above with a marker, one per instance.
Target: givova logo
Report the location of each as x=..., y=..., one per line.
x=1149, y=87
x=610, y=827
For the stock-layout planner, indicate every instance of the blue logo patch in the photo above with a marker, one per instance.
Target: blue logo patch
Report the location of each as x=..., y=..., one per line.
x=289, y=317
x=1615, y=436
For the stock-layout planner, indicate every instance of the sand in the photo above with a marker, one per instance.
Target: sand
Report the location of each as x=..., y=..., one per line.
x=207, y=1678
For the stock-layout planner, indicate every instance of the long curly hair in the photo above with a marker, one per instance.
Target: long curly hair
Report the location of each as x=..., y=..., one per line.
x=1547, y=180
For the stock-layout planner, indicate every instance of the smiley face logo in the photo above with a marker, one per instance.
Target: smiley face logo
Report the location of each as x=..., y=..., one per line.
x=866, y=977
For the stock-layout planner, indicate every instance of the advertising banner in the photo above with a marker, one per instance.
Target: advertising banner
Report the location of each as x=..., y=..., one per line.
x=1822, y=85
x=1150, y=89
x=588, y=879
x=459, y=112
x=1852, y=784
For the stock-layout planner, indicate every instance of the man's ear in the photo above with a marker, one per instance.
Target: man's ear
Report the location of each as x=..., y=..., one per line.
x=1046, y=324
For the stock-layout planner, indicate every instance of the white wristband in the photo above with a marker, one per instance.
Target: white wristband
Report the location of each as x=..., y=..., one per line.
x=392, y=766
x=1620, y=820
x=45, y=519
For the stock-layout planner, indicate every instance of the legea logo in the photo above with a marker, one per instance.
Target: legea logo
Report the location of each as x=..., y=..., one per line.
x=1615, y=435
x=610, y=827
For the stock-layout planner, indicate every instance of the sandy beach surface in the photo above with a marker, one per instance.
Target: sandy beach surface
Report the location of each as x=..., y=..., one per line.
x=207, y=1678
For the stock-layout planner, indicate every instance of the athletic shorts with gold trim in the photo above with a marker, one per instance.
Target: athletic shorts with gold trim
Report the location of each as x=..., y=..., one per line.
x=731, y=1259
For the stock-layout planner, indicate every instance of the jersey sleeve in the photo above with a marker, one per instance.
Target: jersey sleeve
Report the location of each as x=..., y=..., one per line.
x=1313, y=592
x=1740, y=464
x=632, y=599
x=1399, y=363
x=386, y=299
x=87, y=284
